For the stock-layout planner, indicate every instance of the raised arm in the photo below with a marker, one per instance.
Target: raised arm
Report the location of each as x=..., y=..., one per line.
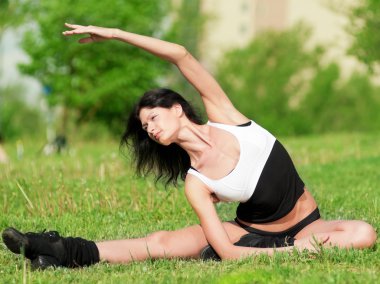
x=218, y=106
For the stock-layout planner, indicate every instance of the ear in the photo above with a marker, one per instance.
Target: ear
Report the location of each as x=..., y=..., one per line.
x=177, y=108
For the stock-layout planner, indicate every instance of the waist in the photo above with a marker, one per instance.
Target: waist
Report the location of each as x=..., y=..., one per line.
x=304, y=206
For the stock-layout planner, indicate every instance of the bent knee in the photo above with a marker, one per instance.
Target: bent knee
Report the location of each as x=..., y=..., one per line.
x=365, y=235
x=158, y=239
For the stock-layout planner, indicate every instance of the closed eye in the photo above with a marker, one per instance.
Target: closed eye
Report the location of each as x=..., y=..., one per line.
x=152, y=118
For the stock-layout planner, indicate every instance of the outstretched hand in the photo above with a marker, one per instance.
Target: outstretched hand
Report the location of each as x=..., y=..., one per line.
x=312, y=243
x=95, y=33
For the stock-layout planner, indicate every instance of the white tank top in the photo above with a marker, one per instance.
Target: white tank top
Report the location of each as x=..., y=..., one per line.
x=256, y=144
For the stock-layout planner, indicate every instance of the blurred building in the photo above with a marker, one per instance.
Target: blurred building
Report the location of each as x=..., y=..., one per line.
x=234, y=23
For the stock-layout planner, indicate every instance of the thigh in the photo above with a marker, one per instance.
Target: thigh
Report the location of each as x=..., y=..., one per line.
x=321, y=226
x=190, y=241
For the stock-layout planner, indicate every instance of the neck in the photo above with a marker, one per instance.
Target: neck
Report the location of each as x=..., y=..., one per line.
x=195, y=140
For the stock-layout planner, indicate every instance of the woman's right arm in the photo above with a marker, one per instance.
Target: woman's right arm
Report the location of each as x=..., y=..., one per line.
x=216, y=235
x=218, y=106
x=166, y=50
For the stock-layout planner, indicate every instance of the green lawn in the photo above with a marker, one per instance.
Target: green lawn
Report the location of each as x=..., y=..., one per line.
x=92, y=192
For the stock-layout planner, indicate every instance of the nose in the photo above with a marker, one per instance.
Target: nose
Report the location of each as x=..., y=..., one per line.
x=150, y=128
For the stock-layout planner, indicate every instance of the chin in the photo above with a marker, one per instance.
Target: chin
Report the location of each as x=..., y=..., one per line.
x=164, y=143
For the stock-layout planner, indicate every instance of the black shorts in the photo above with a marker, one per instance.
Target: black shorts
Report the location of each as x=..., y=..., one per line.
x=291, y=232
x=264, y=239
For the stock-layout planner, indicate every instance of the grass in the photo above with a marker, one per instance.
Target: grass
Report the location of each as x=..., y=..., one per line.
x=92, y=192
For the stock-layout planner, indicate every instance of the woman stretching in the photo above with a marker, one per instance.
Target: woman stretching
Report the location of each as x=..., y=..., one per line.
x=230, y=158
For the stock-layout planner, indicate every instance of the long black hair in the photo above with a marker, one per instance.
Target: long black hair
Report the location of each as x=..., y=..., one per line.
x=165, y=162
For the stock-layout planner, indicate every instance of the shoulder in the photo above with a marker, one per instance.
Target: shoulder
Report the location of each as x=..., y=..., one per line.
x=195, y=187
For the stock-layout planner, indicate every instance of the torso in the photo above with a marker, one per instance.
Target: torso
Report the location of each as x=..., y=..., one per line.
x=223, y=157
x=304, y=206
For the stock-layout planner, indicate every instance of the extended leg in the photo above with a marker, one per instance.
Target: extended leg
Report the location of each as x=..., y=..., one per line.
x=185, y=243
x=50, y=249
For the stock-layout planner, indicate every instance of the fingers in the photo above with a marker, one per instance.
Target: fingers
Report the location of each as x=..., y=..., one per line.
x=326, y=239
x=76, y=32
x=95, y=33
x=73, y=26
x=76, y=29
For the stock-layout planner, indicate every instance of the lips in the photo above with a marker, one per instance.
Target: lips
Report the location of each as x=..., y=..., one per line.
x=157, y=135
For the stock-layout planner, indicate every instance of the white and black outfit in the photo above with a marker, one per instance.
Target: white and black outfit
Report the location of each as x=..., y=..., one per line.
x=264, y=181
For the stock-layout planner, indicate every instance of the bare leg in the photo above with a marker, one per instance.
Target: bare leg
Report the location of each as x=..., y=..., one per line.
x=189, y=242
x=186, y=243
x=340, y=233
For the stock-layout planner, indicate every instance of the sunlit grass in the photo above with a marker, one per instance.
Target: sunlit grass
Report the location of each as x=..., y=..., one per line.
x=92, y=192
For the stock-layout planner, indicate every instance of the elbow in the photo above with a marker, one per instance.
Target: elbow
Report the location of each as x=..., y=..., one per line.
x=236, y=252
x=179, y=54
x=229, y=256
x=229, y=253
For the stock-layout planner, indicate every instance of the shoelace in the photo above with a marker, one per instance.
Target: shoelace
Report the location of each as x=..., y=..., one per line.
x=44, y=234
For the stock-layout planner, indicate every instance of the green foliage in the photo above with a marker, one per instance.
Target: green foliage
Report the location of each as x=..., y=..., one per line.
x=17, y=119
x=364, y=26
x=285, y=87
x=8, y=14
x=99, y=80
x=353, y=106
x=187, y=29
x=264, y=78
x=318, y=99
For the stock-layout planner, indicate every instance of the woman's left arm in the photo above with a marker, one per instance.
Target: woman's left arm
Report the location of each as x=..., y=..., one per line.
x=201, y=200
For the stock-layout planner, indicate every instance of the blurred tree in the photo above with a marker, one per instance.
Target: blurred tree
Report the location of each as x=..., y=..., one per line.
x=364, y=26
x=268, y=79
x=286, y=88
x=101, y=80
x=353, y=107
x=9, y=17
x=18, y=118
x=187, y=29
x=313, y=112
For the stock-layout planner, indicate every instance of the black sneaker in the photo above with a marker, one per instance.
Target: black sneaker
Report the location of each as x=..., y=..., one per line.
x=208, y=253
x=44, y=249
x=44, y=261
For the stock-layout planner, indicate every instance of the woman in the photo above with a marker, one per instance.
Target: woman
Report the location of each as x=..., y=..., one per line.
x=230, y=158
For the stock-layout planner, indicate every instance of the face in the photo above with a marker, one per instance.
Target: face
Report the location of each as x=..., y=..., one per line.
x=161, y=124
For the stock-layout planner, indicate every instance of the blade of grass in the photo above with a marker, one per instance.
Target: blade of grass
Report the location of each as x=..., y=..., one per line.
x=24, y=194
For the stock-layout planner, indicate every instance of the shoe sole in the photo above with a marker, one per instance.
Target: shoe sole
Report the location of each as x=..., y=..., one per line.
x=42, y=262
x=15, y=241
